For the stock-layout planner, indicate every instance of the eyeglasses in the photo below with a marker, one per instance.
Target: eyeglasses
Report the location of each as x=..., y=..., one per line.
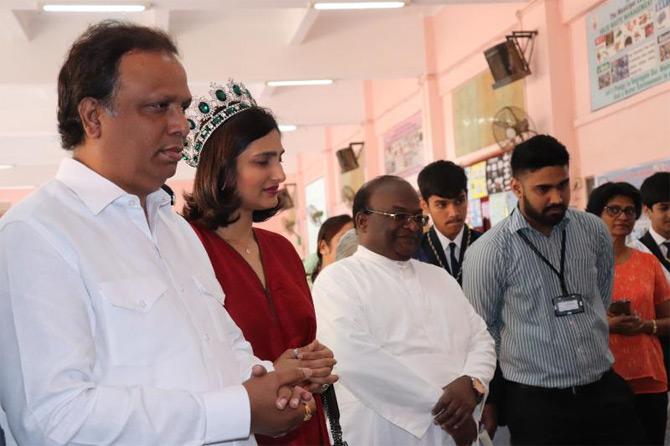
x=613, y=211
x=403, y=217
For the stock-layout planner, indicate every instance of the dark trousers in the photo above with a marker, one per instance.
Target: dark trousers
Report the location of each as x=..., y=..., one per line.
x=652, y=411
x=600, y=413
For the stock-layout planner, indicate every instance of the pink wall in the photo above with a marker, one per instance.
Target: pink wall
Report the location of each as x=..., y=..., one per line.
x=622, y=135
x=9, y=197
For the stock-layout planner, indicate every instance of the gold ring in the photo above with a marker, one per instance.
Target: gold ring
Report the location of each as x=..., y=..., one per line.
x=308, y=413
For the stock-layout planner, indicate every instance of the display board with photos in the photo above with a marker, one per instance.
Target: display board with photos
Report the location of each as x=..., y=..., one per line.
x=403, y=147
x=628, y=48
x=490, y=197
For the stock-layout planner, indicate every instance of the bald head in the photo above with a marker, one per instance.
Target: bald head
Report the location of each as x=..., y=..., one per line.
x=396, y=238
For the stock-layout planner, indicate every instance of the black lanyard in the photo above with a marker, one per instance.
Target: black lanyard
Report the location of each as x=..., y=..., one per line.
x=561, y=273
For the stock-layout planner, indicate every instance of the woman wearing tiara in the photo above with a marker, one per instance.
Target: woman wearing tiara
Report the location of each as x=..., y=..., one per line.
x=237, y=149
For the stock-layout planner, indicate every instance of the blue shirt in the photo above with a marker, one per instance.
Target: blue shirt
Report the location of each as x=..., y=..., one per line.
x=512, y=289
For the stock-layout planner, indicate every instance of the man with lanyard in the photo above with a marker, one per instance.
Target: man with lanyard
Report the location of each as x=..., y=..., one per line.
x=444, y=196
x=542, y=280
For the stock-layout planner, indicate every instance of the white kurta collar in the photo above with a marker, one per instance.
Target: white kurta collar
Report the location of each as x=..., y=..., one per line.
x=364, y=253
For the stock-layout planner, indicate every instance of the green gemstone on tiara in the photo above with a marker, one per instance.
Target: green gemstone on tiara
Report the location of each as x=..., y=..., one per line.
x=205, y=115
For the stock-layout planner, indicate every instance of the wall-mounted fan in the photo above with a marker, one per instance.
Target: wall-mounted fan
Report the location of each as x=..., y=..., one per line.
x=511, y=125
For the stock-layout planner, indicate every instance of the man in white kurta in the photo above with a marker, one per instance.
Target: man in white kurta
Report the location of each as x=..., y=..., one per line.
x=402, y=330
x=112, y=329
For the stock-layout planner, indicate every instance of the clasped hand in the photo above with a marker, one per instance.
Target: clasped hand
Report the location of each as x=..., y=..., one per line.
x=314, y=356
x=627, y=325
x=453, y=411
x=275, y=399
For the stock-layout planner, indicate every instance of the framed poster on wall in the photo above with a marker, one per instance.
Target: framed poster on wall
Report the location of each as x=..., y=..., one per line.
x=403, y=147
x=628, y=48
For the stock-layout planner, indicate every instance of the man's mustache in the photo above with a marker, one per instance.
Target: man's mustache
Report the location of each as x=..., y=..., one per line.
x=560, y=207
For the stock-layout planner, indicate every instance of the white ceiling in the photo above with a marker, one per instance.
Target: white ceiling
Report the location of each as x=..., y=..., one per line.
x=249, y=40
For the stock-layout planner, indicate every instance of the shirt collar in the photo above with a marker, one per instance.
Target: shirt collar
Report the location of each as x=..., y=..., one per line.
x=445, y=241
x=365, y=253
x=96, y=191
x=658, y=238
x=517, y=221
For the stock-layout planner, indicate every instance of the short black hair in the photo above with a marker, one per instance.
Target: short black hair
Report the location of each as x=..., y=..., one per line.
x=91, y=69
x=655, y=189
x=538, y=152
x=602, y=194
x=442, y=178
x=362, y=197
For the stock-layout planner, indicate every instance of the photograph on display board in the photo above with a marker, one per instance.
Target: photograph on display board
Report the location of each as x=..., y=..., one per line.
x=489, y=190
x=499, y=173
x=403, y=147
x=501, y=204
x=476, y=174
x=474, y=218
x=628, y=48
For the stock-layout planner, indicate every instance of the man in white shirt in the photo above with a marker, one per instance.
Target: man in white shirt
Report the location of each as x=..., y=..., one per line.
x=444, y=196
x=413, y=365
x=655, y=194
x=112, y=329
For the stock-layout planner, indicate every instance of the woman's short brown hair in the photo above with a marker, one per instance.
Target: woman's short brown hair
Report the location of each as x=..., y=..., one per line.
x=214, y=202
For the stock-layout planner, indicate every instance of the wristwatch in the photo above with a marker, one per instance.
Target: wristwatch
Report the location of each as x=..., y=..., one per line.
x=478, y=388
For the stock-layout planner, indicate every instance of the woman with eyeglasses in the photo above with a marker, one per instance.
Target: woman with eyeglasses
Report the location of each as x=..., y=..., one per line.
x=640, y=309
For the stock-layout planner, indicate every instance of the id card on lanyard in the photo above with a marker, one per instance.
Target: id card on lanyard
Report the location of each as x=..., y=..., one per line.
x=567, y=303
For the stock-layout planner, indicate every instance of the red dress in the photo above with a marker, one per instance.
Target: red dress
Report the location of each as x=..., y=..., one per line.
x=273, y=319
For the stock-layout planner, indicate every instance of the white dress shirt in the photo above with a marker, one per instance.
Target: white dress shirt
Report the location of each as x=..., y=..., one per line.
x=660, y=240
x=446, y=241
x=400, y=331
x=112, y=329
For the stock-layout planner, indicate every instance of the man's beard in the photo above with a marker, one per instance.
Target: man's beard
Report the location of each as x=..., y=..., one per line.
x=542, y=217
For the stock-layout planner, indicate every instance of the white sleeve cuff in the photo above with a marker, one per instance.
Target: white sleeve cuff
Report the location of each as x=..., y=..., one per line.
x=268, y=365
x=228, y=415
